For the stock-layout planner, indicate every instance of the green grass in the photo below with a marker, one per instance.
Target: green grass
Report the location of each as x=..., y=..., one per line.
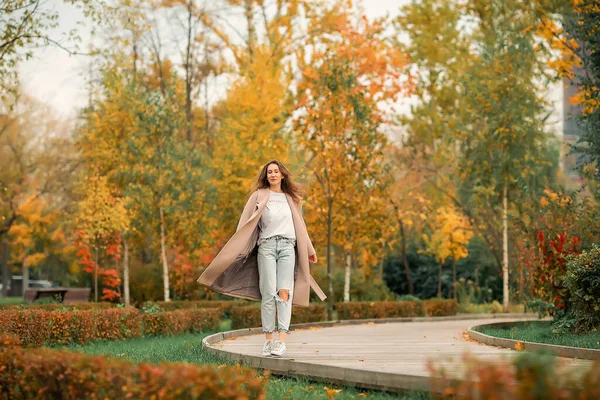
x=188, y=348
x=12, y=300
x=541, y=332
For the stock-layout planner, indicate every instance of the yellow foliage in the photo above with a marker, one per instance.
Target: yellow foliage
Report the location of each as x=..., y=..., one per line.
x=452, y=232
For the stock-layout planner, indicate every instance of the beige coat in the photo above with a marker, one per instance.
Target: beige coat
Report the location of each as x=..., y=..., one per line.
x=234, y=271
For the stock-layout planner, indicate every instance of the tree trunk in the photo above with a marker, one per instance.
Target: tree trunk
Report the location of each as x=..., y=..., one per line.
x=5, y=271
x=411, y=287
x=206, y=109
x=453, y=278
x=521, y=285
x=126, y=272
x=251, y=30
x=329, y=278
x=25, y=276
x=189, y=73
x=347, y=277
x=96, y=277
x=505, y=246
x=439, y=293
x=382, y=260
x=163, y=251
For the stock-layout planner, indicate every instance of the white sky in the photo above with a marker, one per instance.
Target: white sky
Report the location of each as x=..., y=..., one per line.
x=59, y=79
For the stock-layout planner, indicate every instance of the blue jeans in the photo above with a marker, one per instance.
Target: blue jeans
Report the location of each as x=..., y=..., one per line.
x=276, y=261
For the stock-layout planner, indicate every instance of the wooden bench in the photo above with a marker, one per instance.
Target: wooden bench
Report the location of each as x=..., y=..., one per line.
x=62, y=295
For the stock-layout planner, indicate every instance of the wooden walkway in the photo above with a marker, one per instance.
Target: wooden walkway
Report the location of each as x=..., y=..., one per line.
x=388, y=355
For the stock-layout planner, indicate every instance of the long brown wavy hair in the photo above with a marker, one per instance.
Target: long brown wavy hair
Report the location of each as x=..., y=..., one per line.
x=294, y=189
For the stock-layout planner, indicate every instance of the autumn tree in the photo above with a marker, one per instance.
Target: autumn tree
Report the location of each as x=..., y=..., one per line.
x=438, y=49
x=408, y=200
x=450, y=236
x=36, y=161
x=349, y=77
x=101, y=215
x=30, y=236
x=426, y=159
x=251, y=131
x=500, y=135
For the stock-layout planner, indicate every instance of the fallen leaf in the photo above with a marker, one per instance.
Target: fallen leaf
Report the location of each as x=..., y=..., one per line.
x=519, y=346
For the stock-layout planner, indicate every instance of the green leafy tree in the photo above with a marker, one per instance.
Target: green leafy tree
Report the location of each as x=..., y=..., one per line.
x=502, y=136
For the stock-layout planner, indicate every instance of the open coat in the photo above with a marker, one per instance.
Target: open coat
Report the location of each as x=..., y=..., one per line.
x=234, y=271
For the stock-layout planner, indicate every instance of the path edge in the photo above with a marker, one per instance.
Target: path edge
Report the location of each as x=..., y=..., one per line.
x=560, y=351
x=339, y=375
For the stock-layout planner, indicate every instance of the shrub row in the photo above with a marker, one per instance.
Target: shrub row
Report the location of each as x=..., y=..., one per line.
x=379, y=309
x=182, y=321
x=58, y=306
x=39, y=327
x=440, y=307
x=225, y=305
x=249, y=316
x=396, y=309
x=57, y=374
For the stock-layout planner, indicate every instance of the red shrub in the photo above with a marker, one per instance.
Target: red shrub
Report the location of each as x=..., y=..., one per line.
x=54, y=374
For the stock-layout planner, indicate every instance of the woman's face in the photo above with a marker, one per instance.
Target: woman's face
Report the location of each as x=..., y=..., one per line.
x=274, y=174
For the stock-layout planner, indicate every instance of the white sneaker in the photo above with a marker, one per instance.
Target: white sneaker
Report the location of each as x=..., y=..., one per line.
x=267, y=348
x=279, y=348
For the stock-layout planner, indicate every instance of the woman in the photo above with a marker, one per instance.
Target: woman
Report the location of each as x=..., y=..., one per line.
x=268, y=257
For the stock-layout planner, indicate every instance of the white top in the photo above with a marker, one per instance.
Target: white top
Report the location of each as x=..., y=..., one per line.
x=276, y=218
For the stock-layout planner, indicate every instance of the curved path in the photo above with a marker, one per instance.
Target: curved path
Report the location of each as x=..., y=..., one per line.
x=384, y=355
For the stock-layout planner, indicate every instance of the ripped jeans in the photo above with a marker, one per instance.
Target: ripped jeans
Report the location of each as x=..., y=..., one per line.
x=276, y=261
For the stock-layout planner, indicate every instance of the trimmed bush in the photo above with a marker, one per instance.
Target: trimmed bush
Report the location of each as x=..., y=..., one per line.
x=440, y=307
x=182, y=321
x=48, y=328
x=59, y=306
x=312, y=313
x=249, y=316
x=225, y=305
x=246, y=317
x=57, y=374
x=582, y=280
x=381, y=309
x=39, y=327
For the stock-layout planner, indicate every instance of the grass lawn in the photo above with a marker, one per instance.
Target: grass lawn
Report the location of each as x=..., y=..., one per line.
x=541, y=332
x=188, y=348
x=11, y=300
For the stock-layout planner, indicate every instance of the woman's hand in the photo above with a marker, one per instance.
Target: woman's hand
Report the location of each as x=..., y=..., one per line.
x=313, y=258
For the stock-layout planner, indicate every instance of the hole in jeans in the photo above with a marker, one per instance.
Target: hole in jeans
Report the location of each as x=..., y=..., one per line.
x=279, y=298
